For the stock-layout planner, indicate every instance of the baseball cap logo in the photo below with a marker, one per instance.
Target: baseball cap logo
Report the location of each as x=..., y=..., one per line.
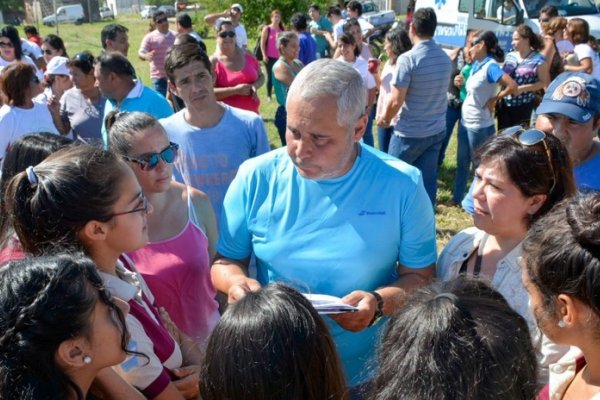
x=574, y=88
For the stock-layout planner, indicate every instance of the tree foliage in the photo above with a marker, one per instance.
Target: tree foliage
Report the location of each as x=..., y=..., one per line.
x=258, y=12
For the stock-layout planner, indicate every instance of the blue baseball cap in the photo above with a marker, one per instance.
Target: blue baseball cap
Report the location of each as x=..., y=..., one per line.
x=575, y=95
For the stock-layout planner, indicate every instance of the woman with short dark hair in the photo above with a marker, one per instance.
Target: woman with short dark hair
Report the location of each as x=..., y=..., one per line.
x=521, y=175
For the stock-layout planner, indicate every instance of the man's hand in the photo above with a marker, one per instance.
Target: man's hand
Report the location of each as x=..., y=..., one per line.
x=239, y=289
x=188, y=383
x=359, y=320
x=381, y=122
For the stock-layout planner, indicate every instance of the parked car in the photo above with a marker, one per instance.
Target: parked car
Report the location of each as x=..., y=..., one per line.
x=148, y=11
x=379, y=19
x=106, y=13
x=65, y=14
x=169, y=11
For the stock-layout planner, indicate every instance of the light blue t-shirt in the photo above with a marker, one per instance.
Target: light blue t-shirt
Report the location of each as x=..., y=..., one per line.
x=331, y=236
x=425, y=70
x=209, y=158
x=141, y=98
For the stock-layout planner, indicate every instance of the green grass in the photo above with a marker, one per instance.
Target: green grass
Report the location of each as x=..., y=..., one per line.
x=450, y=219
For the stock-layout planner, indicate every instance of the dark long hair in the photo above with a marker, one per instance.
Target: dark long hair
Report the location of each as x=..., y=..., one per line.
x=456, y=340
x=272, y=345
x=562, y=253
x=12, y=33
x=490, y=41
x=23, y=152
x=74, y=186
x=43, y=302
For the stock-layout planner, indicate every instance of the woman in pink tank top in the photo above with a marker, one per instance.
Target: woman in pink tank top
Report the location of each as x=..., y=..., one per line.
x=182, y=230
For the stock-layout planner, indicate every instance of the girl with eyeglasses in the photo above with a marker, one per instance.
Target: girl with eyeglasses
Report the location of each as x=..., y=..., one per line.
x=521, y=175
x=237, y=72
x=86, y=199
x=11, y=50
x=182, y=230
x=53, y=46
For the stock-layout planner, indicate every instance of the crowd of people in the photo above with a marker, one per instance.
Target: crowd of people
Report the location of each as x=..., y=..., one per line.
x=154, y=246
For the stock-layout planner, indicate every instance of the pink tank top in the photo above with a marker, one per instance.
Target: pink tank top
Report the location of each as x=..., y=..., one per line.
x=228, y=78
x=177, y=270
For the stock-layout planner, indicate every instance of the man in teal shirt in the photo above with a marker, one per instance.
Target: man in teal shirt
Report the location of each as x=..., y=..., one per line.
x=318, y=27
x=329, y=215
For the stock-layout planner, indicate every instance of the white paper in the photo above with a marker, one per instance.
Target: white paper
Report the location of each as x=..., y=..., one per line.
x=326, y=304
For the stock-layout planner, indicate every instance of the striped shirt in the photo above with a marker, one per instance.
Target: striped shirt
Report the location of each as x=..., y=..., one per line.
x=425, y=72
x=159, y=43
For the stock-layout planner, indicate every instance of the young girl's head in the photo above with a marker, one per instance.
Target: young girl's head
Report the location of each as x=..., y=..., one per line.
x=59, y=327
x=75, y=199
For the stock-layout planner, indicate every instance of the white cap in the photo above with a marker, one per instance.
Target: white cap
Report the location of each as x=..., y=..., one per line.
x=58, y=66
x=238, y=6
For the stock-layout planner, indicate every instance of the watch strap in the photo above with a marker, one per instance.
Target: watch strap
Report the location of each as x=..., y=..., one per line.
x=379, y=310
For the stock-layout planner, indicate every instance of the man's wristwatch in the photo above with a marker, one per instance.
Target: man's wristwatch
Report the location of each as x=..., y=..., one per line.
x=379, y=310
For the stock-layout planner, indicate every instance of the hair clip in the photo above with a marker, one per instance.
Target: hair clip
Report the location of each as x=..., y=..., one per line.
x=449, y=296
x=31, y=176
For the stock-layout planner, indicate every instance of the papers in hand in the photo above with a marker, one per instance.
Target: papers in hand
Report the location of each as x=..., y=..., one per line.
x=325, y=304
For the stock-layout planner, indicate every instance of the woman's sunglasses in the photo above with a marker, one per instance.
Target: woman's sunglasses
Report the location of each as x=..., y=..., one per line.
x=224, y=34
x=531, y=137
x=6, y=44
x=150, y=161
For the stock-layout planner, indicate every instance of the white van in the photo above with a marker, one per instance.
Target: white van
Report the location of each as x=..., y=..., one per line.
x=455, y=17
x=65, y=14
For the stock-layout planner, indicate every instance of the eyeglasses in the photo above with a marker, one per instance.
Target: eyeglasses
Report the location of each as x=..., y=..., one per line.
x=531, y=137
x=150, y=161
x=6, y=44
x=475, y=42
x=224, y=34
x=35, y=80
x=47, y=51
x=143, y=208
x=161, y=21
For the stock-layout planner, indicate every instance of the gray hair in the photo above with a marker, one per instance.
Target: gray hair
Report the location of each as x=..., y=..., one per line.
x=327, y=77
x=284, y=38
x=123, y=125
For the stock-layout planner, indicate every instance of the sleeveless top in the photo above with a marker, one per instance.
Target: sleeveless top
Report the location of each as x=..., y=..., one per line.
x=281, y=89
x=177, y=270
x=228, y=78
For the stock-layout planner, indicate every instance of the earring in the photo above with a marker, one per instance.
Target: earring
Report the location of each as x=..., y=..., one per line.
x=87, y=360
x=562, y=324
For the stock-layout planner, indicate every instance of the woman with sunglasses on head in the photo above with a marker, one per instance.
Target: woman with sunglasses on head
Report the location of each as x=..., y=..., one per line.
x=521, y=175
x=106, y=218
x=21, y=115
x=237, y=73
x=82, y=107
x=60, y=327
x=11, y=50
x=182, y=229
x=562, y=274
x=478, y=107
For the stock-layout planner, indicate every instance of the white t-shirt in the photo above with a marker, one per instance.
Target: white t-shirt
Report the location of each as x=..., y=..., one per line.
x=31, y=48
x=24, y=58
x=583, y=50
x=365, y=26
x=16, y=122
x=338, y=29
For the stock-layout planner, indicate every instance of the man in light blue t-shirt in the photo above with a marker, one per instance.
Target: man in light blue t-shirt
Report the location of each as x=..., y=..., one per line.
x=213, y=138
x=329, y=215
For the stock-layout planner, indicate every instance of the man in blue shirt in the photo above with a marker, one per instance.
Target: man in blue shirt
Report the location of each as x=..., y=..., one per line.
x=329, y=215
x=308, y=45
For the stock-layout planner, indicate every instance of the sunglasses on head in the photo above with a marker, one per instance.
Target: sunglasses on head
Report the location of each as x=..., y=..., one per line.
x=161, y=21
x=83, y=57
x=150, y=161
x=224, y=34
x=531, y=137
x=6, y=44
